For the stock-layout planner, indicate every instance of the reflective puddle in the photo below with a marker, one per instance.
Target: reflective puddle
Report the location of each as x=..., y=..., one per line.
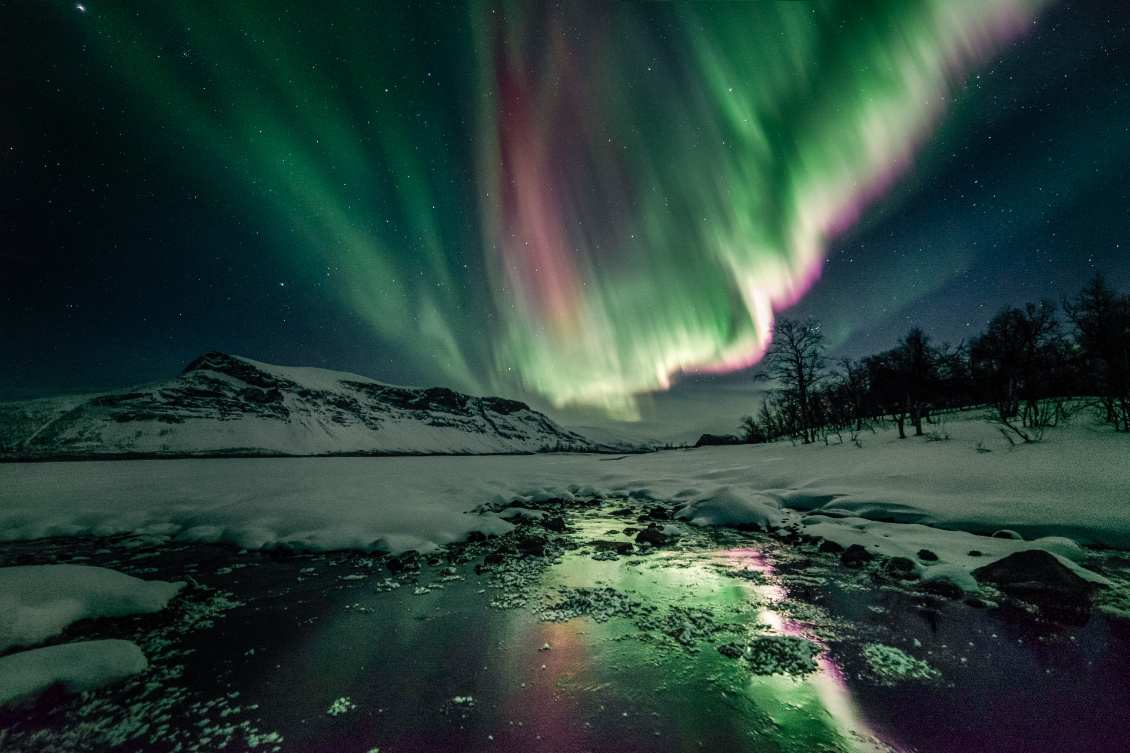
x=717, y=641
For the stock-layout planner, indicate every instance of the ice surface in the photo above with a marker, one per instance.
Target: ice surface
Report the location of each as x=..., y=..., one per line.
x=78, y=666
x=40, y=601
x=1073, y=485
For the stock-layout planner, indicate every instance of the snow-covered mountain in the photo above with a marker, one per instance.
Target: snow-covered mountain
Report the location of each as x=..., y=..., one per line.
x=227, y=405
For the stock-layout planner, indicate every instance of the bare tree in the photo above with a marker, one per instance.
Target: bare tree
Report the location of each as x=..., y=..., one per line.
x=1102, y=331
x=1017, y=360
x=795, y=361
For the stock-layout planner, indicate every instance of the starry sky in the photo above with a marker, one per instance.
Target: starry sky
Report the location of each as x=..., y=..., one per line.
x=596, y=206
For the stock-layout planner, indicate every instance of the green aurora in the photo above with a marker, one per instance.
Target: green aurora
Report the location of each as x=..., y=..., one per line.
x=581, y=200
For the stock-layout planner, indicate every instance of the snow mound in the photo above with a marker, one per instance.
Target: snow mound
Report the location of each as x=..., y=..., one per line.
x=732, y=505
x=40, y=601
x=955, y=574
x=78, y=666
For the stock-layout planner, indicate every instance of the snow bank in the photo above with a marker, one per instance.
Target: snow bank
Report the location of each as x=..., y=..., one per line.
x=40, y=601
x=78, y=666
x=1075, y=484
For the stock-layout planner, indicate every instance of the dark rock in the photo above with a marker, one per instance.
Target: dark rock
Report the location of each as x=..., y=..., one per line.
x=831, y=547
x=1034, y=573
x=476, y=536
x=974, y=553
x=554, y=524
x=532, y=547
x=652, y=536
x=625, y=547
x=625, y=511
x=856, y=556
x=749, y=527
x=394, y=565
x=730, y=650
x=808, y=538
x=976, y=603
x=569, y=545
x=629, y=531
x=707, y=440
x=659, y=513
x=900, y=567
x=927, y=556
x=494, y=558
x=943, y=588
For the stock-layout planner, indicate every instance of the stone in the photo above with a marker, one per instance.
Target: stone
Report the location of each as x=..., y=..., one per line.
x=974, y=553
x=900, y=567
x=1033, y=573
x=856, y=556
x=554, y=524
x=653, y=536
x=943, y=588
x=927, y=556
x=749, y=527
x=532, y=547
x=831, y=547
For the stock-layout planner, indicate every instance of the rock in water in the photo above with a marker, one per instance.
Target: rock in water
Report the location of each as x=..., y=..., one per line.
x=652, y=535
x=1031, y=573
x=1037, y=577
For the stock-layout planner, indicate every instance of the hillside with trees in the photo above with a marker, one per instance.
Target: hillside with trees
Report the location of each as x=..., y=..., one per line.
x=1032, y=367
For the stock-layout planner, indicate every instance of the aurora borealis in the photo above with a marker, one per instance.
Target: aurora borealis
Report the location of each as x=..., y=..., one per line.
x=579, y=201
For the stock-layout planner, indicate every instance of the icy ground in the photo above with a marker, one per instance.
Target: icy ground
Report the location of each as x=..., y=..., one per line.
x=1075, y=484
x=571, y=633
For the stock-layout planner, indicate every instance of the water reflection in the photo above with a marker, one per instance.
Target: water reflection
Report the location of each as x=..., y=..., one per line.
x=599, y=686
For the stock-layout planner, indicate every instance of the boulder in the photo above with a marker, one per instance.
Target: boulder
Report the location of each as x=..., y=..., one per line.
x=900, y=567
x=927, y=556
x=1034, y=573
x=831, y=547
x=652, y=535
x=856, y=556
x=554, y=524
x=943, y=588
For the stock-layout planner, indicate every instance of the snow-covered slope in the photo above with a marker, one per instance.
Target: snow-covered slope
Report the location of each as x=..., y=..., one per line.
x=226, y=405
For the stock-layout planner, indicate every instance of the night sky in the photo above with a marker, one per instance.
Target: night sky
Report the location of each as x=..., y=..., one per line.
x=570, y=203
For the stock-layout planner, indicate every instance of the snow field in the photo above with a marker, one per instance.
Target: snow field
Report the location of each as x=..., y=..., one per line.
x=893, y=496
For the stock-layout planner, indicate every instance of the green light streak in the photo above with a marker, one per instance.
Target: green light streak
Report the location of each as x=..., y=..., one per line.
x=581, y=201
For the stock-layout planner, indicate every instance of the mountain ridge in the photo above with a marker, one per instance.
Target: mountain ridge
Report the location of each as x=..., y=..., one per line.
x=229, y=406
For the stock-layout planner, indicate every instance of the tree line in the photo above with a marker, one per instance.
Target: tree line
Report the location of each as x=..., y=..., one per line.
x=1032, y=366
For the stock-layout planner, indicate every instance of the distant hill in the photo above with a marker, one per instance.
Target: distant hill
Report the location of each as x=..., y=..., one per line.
x=225, y=405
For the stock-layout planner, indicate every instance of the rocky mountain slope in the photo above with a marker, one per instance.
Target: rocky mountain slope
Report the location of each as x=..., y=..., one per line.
x=227, y=405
